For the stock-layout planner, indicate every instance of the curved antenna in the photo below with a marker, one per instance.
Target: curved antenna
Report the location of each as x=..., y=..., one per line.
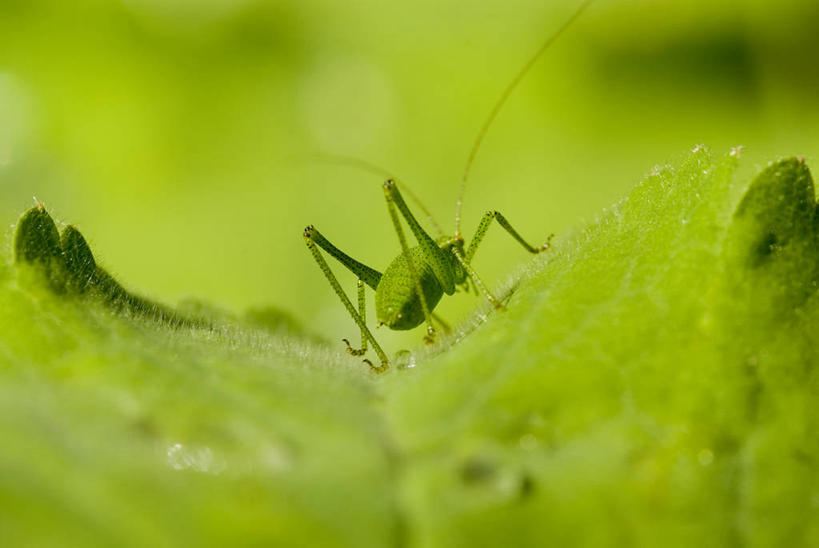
x=499, y=104
x=358, y=163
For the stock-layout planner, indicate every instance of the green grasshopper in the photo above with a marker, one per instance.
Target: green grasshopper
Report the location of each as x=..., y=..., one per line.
x=413, y=284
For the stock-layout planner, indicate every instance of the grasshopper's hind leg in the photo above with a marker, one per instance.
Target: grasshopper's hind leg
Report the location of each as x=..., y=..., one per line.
x=311, y=238
x=362, y=311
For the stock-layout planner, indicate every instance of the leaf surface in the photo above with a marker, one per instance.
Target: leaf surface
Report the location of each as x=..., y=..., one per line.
x=652, y=382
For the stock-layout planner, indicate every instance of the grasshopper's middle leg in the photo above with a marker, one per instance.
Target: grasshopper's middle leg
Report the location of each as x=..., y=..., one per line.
x=311, y=238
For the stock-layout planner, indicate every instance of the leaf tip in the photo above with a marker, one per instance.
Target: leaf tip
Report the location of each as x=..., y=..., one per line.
x=79, y=261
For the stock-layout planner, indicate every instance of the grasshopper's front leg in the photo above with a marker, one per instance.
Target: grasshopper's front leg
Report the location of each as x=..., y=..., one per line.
x=466, y=260
x=486, y=221
x=313, y=239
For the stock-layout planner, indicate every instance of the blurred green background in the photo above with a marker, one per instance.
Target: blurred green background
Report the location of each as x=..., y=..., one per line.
x=184, y=137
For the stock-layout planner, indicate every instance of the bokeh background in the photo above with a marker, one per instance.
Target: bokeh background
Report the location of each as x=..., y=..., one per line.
x=188, y=139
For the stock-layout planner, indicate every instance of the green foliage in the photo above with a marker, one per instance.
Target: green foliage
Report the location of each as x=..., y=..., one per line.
x=37, y=243
x=68, y=266
x=652, y=382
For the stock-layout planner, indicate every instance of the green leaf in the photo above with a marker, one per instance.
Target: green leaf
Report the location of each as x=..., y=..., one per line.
x=37, y=245
x=652, y=382
x=79, y=260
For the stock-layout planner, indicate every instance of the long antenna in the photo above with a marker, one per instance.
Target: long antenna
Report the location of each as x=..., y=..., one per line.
x=496, y=109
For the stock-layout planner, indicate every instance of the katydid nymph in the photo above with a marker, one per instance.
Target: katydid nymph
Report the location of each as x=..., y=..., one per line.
x=407, y=292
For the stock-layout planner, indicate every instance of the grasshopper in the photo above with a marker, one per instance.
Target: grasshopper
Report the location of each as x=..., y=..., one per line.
x=407, y=292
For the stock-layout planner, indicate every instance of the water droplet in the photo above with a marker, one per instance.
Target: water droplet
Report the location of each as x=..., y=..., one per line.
x=199, y=460
x=404, y=359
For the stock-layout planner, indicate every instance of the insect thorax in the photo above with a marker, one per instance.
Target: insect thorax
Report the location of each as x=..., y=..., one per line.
x=453, y=246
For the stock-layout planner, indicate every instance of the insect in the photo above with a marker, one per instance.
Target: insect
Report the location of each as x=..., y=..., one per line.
x=407, y=292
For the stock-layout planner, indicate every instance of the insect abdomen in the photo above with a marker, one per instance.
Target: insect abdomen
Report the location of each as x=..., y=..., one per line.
x=396, y=301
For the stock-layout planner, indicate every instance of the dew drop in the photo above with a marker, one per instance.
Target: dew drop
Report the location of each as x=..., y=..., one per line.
x=404, y=359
